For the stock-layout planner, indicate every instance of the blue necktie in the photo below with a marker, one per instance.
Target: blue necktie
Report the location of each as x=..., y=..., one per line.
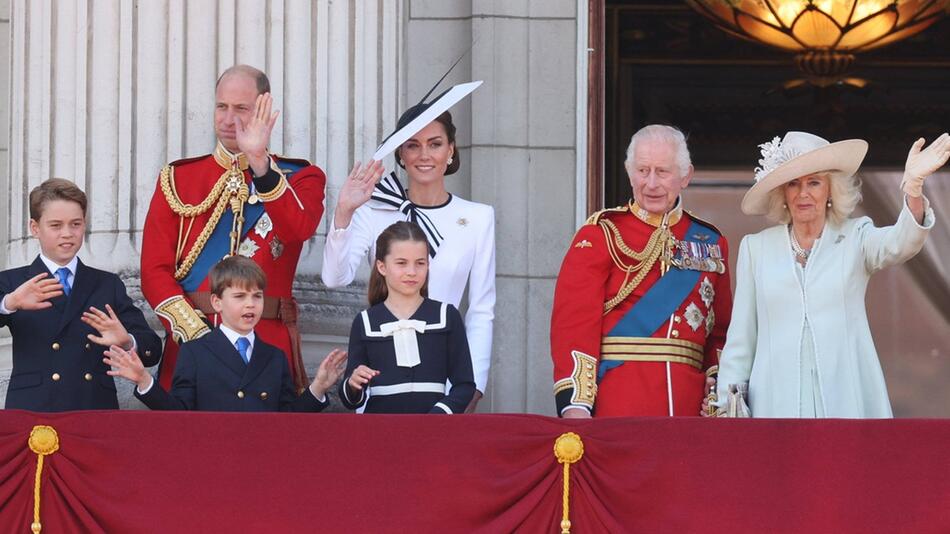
x=242, y=345
x=63, y=274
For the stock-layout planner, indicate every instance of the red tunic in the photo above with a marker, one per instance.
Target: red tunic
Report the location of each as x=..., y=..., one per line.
x=294, y=214
x=666, y=376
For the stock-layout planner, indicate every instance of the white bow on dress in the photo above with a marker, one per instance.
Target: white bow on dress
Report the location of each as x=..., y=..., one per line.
x=404, y=340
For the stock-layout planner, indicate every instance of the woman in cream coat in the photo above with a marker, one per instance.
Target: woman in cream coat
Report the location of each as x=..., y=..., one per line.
x=799, y=333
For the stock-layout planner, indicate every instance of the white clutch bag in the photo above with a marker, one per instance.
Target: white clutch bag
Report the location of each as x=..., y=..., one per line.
x=736, y=406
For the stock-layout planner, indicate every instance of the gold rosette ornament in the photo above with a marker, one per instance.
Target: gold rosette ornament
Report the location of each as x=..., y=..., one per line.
x=43, y=441
x=568, y=449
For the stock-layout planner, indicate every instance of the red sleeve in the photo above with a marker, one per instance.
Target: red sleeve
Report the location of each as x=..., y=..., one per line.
x=297, y=212
x=577, y=317
x=722, y=307
x=159, y=239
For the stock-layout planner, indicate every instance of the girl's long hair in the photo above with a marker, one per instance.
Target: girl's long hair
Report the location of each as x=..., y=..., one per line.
x=399, y=231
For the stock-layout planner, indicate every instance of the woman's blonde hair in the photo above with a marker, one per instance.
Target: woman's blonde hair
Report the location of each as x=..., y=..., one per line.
x=845, y=196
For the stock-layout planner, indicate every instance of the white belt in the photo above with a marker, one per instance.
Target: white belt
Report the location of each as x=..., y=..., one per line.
x=408, y=387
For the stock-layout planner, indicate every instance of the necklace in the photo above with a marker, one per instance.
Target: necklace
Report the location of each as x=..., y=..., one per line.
x=797, y=248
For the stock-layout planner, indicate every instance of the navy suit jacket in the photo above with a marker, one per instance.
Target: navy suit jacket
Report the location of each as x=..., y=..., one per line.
x=55, y=367
x=210, y=375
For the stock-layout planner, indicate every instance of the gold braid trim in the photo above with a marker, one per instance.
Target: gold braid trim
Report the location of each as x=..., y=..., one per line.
x=568, y=449
x=230, y=189
x=43, y=441
x=184, y=321
x=584, y=379
x=167, y=180
x=646, y=258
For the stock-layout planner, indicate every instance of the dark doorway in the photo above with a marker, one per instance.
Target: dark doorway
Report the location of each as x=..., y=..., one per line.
x=667, y=64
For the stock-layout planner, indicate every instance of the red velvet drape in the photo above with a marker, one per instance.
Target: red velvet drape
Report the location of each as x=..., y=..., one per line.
x=129, y=471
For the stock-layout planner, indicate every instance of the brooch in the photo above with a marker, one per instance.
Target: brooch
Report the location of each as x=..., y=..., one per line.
x=462, y=221
x=583, y=244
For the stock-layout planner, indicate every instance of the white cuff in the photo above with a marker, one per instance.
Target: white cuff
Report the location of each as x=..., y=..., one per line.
x=570, y=406
x=149, y=388
x=3, y=307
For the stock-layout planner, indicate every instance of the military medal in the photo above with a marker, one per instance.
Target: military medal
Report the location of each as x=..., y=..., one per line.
x=253, y=199
x=706, y=292
x=264, y=226
x=694, y=317
x=248, y=248
x=276, y=248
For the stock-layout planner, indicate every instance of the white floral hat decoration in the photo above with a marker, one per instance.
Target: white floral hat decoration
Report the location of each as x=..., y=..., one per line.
x=796, y=155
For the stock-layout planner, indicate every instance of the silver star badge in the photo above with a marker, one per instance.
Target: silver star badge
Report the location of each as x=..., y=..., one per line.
x=707, y=292
x=264, y=226
x=248, y=248
x=694, y=317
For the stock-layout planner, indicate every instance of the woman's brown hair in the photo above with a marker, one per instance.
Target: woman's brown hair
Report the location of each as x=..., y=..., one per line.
x=399, y=231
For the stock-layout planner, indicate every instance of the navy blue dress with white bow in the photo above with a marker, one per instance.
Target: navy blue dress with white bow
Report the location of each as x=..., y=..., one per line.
x=414, y=358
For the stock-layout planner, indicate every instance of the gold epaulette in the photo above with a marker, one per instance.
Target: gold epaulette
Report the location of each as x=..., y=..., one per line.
x=595, y=217
x=705, y=222
x=184, y=321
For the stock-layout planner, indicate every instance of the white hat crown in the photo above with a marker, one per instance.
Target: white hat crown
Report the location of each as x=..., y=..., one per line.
x=777, y=152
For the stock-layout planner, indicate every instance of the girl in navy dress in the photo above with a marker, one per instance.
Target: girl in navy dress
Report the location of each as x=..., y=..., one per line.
x=405, y=346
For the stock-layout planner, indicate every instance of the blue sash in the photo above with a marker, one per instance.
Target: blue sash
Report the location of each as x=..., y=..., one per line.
x=665, y=297
x=219, y=243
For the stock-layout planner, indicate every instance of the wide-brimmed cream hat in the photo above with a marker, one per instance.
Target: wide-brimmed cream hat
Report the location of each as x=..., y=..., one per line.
x=800, y=154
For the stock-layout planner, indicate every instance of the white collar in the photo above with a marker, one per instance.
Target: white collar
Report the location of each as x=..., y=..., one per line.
x=233, y=336
x=52, y=266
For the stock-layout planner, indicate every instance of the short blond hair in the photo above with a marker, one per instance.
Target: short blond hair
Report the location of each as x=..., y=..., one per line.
x=845, y=197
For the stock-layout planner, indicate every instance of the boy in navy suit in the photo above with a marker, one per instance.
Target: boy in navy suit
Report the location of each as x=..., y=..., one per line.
x=230, y=369
x=63, y=315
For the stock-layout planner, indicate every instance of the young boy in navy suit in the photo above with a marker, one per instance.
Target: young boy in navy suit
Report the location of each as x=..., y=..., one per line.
x=230, y=369
x=63, y=315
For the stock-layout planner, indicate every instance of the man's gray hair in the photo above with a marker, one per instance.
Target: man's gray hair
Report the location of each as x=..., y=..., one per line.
x=263, y=84
x=662, y=132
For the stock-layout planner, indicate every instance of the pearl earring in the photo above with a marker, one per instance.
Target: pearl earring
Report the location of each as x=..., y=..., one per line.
x=784, y=206
x=451, y=160
x=828, y=204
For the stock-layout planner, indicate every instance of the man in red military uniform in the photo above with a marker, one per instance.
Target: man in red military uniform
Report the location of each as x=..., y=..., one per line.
x=238, y=200
x=643, y=300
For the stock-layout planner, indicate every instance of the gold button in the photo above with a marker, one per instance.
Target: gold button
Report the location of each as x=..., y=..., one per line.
x=589, y=394
x=55, y=346
x=676, y=333
x=590, y=366
x=55, y=377
x=88, y=377
x=263, y=395
x=590, y=375
x=240, y=394
x=676, y=318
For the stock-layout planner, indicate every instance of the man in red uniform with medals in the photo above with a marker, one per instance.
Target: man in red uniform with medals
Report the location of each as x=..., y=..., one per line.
x=643, y=300
x=238, y=200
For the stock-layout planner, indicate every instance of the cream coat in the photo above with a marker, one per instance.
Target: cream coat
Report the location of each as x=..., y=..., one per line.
x=763, y=344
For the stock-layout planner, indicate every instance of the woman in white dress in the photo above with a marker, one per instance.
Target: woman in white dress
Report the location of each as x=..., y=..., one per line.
x=799, y=334
x=461, y=233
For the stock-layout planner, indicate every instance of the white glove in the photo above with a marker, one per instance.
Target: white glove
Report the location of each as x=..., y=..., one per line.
x=922, y=163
